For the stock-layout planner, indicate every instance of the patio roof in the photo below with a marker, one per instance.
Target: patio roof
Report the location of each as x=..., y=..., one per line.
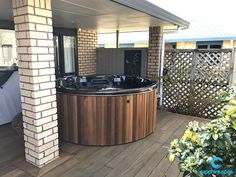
x=106, y=15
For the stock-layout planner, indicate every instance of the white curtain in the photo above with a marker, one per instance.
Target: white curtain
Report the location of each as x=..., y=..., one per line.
x=69, y=53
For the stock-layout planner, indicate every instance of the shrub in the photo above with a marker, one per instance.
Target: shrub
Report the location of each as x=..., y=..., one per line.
x=203, y=142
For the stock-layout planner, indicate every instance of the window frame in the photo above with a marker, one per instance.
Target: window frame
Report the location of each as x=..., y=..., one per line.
x=60, y=33
x=209, y=44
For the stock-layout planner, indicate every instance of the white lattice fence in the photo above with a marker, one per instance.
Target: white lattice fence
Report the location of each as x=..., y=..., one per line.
x=193, y=80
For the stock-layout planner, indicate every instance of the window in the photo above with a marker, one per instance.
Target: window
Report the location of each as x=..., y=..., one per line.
x=7, y=53
x=210, y=45
x=8, y=56
x=65, y=51
x=170, y=45
x=215, y=46
x=202, y=46
x=69, y=54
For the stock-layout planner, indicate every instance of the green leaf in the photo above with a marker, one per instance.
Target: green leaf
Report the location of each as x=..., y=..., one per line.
x=220, y=144
x=215, y=136
x=228, y=138
x=234, y=126
x=186, y=173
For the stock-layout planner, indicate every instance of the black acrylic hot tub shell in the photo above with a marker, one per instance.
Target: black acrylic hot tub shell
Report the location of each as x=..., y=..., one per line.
x=130, y=85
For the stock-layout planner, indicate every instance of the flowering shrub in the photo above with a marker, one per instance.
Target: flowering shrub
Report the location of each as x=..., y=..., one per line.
x=201, y=143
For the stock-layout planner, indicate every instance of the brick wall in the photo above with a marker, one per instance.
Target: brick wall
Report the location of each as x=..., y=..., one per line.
x=87, y=43
x=154, y=51
x=33, y=26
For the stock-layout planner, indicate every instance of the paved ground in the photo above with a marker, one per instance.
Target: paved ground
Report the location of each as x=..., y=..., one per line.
x=144, y=158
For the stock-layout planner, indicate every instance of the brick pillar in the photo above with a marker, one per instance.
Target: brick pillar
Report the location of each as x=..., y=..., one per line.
x=33, y=26
x=154, y=51
x=87, y=44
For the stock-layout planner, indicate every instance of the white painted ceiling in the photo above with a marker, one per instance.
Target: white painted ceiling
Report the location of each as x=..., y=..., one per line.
x=101, y=15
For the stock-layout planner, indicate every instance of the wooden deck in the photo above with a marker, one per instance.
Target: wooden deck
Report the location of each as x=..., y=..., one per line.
x=144, y=158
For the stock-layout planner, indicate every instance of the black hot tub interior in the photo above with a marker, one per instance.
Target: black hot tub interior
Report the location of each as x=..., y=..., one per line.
x=104, y=84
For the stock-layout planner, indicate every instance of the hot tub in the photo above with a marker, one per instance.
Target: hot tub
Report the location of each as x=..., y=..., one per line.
x=106, y=110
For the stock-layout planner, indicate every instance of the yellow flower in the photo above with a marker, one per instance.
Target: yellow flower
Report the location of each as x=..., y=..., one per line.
x=187, y=135
x=184, y=138
x=174, y=143
x=171, y=157
x=195, y=138
x=231, y=110
x=191, y=136
x=178, y=150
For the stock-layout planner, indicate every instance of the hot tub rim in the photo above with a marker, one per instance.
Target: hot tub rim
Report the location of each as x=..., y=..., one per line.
x=107, y=92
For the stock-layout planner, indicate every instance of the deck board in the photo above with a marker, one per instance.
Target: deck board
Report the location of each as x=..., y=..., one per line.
x=144, y=158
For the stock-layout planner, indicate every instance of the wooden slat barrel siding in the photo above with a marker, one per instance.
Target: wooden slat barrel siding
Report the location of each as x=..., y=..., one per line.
x=106, y=120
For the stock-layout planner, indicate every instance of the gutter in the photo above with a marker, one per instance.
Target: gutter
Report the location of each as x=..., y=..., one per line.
x=201, y=39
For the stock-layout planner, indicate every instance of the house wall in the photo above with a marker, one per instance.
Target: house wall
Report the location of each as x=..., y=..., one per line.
x=234, y=44
x=228, y=44
x=87, y=44
x=186, y=45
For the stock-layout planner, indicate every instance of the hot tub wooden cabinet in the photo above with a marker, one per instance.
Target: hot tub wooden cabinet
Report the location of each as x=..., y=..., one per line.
x=106, y=118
